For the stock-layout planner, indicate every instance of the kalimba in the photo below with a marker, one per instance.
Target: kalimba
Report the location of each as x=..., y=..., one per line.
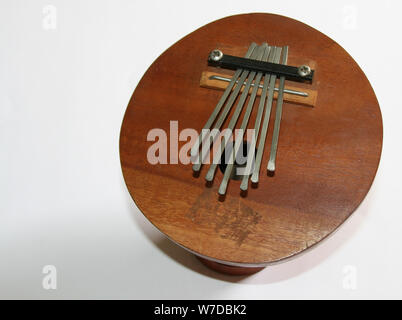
x=251, y=140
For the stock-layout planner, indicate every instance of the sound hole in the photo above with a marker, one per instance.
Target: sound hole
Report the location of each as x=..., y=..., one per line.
x=240, y=161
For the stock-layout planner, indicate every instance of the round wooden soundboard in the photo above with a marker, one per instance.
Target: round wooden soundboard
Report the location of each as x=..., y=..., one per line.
x=326, y=162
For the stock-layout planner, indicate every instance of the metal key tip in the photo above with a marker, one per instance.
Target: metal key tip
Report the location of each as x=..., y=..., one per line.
x=271, y=166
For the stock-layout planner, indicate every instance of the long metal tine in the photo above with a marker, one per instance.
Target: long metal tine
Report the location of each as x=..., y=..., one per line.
x=278, y=116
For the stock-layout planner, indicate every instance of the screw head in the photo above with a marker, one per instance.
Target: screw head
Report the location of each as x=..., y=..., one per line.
x=216, y=55
x=304, y=70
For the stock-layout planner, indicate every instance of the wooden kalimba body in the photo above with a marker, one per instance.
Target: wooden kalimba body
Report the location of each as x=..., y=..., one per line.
x=311, y=157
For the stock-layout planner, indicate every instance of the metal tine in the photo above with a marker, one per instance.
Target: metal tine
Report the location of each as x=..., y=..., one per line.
x=211, y=172
x=261, y=143
x=261, y=107
x=251, y=152
x=239, y=138
x=278, y=116
x=222, y=100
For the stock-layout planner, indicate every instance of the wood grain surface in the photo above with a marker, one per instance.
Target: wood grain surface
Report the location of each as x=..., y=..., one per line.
x=326, y=162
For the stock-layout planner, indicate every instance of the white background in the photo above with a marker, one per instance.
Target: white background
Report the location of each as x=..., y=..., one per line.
x=63, y=201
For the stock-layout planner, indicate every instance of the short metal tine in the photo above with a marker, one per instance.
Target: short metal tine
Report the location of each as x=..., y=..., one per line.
x=235, y=117
x=243, y=126
x=261, y=143
x=228, y=90
x=278, y=116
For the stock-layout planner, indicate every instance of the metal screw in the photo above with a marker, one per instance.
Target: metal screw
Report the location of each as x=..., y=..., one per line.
x=304, y=70
x=216, y=55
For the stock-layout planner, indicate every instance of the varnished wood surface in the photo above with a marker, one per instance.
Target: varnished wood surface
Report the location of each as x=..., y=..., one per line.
x=326, y=161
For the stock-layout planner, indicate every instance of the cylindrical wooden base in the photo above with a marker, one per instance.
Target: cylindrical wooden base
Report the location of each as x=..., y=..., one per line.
x=231, y=270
